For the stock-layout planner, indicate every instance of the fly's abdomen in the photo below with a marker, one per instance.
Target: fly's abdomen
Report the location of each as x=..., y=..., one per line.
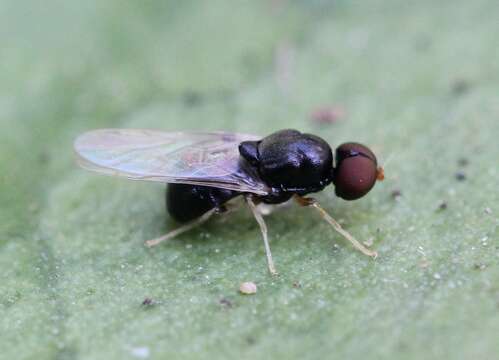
x=188, y=202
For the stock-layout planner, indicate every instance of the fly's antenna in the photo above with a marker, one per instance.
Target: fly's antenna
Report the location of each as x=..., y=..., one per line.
x=382, y=168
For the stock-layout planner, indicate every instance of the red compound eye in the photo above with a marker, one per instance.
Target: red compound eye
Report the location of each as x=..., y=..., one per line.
x=356, y=171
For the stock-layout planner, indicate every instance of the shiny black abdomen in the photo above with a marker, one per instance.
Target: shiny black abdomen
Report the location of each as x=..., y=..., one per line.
x=188, y=202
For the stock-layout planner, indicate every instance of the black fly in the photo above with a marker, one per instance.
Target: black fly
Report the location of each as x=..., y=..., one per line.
x=206, y=170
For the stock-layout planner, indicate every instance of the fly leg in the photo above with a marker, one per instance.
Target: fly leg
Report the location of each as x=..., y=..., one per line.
x=263, y=228
x=182, y=229
x=304, y=201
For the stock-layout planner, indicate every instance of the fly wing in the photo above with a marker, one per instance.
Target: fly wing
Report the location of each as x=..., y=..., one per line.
x=197, y=158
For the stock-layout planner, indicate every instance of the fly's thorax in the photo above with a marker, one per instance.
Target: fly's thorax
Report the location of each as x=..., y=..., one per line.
x=291, y=162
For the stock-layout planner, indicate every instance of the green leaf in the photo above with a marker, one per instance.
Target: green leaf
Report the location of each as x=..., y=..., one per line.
x=415, y=81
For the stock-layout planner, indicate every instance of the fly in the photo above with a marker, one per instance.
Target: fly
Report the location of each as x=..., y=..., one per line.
x=204, y=170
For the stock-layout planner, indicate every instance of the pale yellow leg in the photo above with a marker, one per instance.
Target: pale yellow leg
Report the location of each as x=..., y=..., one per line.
x=263, y=228
x=312, y=202
x=189, y=226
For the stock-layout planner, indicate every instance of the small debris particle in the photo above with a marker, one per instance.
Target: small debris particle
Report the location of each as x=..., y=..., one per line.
x=480, y=266
x=225, y=302
x=296, y=285
x=488, y=211
x=248, y=288
x=369, y=242
x=424, y=264
x=443, y=206
x=437, y=276
x=396, y=194
x=148, y=302
x=462, y=162
x=327, y=115
x=90, y=292
x=460, y=176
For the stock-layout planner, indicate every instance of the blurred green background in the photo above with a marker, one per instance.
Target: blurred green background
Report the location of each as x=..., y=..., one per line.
x=415, y=80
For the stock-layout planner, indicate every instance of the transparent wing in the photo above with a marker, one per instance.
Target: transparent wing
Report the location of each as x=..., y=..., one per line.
x=210, y=159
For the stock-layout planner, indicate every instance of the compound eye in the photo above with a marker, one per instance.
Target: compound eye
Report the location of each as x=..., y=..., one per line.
x=356, y=171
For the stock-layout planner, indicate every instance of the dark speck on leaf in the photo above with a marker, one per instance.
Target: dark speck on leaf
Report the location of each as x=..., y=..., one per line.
x=443, y=206
x=148, y=302
x=480, y=266
x=192, y=98
x=462, y=162
x=396, y=194
x=460, y=87
x=460, y=176
x=225, y=302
